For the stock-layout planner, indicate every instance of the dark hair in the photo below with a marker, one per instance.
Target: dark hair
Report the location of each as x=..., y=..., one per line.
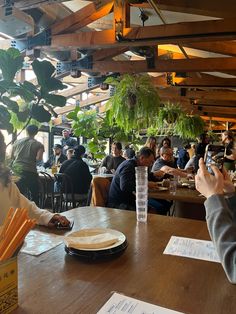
x=79, y=151
x=146, y=152
x=166, y=139
x=118, y=145
x=57, y=146
x=130, y=153
x=32, y=129
x=4, y=171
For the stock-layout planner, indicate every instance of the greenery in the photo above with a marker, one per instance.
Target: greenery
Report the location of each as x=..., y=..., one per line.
x=189, y=127
x=22, y=102
x=167, y=117
x=135, y=104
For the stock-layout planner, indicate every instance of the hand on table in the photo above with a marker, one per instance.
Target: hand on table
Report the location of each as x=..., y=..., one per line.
x=208, y=184
x=58, y=219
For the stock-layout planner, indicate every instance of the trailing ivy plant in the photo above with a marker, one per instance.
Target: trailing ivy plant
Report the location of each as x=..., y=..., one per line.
x=21, y=102
x=189, y=127
x=135, y=103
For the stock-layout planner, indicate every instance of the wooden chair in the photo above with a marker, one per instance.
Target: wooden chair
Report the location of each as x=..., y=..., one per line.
x=99, y=191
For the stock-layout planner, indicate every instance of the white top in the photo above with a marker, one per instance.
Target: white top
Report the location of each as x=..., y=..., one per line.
x=10, y=196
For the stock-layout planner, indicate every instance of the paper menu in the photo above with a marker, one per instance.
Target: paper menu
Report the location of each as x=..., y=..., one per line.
x=193, y=248
x=121, y=304
x=38, y=242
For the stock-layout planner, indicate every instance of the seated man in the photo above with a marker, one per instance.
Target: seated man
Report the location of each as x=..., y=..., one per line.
x=56, y=158
x=165, y=163
x=78, y=171
x=111, y=162
x=122, y=189
x=220, y=214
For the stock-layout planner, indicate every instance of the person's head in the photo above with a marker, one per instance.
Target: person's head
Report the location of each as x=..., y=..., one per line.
x=32, y=130
x=69, y=153
x=116, y=149
x=203, y=138
x=129, y=153
x=79, y=151
x=187, y=146
x=151, y=143
x=166, y=142
x=57, y=149
x=65, y=133
x=145, y=157
x=166, y=153
x=227, y=136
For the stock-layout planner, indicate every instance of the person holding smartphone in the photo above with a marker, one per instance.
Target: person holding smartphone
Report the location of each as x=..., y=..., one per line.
x=230, y=156
x=220, y=214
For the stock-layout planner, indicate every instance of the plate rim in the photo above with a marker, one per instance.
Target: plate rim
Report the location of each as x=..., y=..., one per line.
x=112, y=231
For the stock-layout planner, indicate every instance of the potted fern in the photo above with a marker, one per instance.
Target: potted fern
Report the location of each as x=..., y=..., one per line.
x=135, y=103
x=189, y=127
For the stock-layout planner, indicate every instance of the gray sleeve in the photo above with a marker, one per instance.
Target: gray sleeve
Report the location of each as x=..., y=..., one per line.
x=222, y=229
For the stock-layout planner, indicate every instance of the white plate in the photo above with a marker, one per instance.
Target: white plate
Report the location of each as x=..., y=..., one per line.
x=89, y=232
x=162, y=189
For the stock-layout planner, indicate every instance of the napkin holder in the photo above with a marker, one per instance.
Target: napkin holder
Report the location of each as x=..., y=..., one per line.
x=8, y=285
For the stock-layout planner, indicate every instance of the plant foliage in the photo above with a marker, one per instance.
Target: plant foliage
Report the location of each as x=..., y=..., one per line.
x=189, y=127
x=135, y=103
x=23, y=101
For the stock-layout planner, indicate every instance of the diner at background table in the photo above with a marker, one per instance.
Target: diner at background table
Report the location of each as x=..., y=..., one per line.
x=59, y=283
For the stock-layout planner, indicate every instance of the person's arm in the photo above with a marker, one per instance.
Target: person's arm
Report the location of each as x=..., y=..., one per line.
x=222, y=230
x=42, y=216
x=39, y=155
x=174, y=172
x=219, y=215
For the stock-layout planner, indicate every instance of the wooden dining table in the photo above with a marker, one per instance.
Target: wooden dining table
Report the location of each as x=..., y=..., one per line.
x=55, y=282
x=188, y=203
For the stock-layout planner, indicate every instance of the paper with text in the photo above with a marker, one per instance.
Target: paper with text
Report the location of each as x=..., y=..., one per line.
x=193, y=248
x=38, y=242
x=121, y=304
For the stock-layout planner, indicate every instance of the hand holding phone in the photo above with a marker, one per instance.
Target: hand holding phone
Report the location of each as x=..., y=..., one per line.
x=214, y=155
x=60, y=226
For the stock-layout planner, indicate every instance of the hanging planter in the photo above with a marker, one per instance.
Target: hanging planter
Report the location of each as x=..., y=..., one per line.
x=189, y=127
x=167, y=116
x=135, y=103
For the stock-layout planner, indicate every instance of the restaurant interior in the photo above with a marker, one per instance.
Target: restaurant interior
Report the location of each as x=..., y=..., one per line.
x=110, y=72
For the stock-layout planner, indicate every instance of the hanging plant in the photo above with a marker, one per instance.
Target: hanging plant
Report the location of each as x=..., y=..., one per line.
x=189, y=127
x=135, y=103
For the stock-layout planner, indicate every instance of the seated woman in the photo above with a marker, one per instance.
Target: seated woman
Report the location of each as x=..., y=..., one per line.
x=10, y=196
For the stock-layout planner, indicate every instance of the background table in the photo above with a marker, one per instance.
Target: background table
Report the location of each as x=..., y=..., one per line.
x=188, y=203
x=57, y=283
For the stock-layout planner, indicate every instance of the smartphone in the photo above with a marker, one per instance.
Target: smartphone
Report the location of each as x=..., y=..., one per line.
x=214, y=155
x=68, y=227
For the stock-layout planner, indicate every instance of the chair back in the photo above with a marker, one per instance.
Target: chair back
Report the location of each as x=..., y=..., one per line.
x=66, y=190
x=48, y=189
x=100, y=189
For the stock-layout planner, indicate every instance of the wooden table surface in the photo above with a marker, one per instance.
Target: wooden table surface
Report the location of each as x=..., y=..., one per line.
x=182, y=194
x=57, y=283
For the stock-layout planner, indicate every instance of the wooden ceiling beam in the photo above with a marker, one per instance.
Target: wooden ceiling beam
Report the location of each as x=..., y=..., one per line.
x=82, y=88
x=220, y=119
x=226, y=48
x=83, y=17
x=177, y=33
x=201, y=7
x=216, y=110
x=180, y=65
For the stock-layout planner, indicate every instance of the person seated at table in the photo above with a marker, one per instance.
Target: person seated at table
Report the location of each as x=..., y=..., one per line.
x=122, y=188
x=78, y=171
x=10, y=196
x=151, y=142
x=111, y=162
x=165, y=163
x=69, y=153
x=128, y=152
x=56, y=158
x=183, y=156
x=220, y=214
